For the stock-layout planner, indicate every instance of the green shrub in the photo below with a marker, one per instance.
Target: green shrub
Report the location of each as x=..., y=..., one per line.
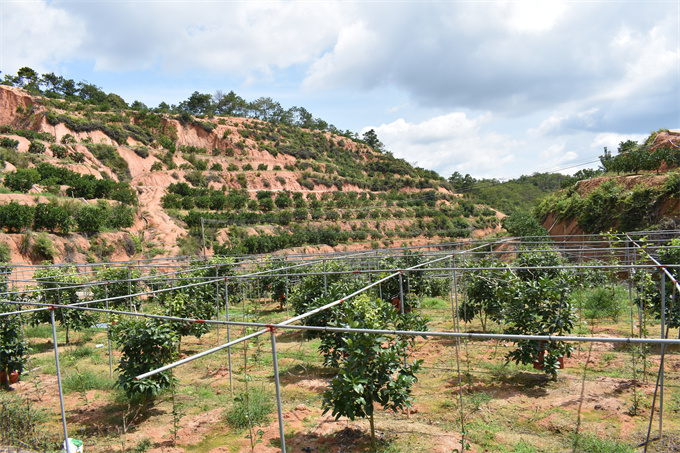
x=43, y=247
x=67, y=139
x=145, y=344
x=22, y=180
x=52, y=217
x=232, y=167
x=196, y=178
x=120, y=216
x=36, y=148
x=89, y=219
x=58, y=151
x=602, y=302
x=9, y=143
x=5, y=253
x=671, y=185
x=108, y=155
x=141, y=151
x=15, y=217
x=157, y=166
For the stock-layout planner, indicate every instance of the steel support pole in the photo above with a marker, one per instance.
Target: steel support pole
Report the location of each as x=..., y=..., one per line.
x=278, y=390
x=226, y=300
x=130, y=290
x=217, y=301
x=325, y=281
x=61, y=392
x=108, y=326
x=401, y=292
x=663, y=347
x=203, y=240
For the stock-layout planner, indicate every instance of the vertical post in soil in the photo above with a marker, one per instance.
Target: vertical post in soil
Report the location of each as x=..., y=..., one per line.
x=377, y=262
x=325, y=280
x=130, y=290
x=108, y=324
x=217, y=301
x=286, y=290
x=278, y=390
x=454, y=294
x=61, y=393
x=663, y=335
x=203, y=239
x=226, y=300
x=401, y=292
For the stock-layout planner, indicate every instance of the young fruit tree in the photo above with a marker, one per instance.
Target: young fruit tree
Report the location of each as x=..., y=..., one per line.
x=13, y=347
x=537, y=302
x=145, y=344
x=372, y=368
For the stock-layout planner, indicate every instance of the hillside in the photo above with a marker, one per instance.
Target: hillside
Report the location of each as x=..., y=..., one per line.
x=649, y=198
x=93, y=182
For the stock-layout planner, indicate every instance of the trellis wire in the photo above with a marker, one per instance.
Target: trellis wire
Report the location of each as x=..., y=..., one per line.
x=458, y=335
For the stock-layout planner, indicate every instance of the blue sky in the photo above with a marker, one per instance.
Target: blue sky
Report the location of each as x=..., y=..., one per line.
x=496, y=89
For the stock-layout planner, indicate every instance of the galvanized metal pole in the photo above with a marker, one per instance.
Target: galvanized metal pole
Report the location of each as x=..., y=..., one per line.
x=130, y=289
x=226, y=300
x=203, y=240
x=401, y=292
x=325, y=282
x=217, y=301
x=663, y=336
x=278, y=390
x=108, y=324
x=61, y=392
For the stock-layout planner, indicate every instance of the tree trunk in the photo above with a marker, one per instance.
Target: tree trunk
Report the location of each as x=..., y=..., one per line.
x=372, y=422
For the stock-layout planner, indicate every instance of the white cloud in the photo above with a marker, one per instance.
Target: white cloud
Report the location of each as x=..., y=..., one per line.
x=36, y=35
x=565, y=122
x=356, y=49
x=448, y=143
x=534, y=16
x=232, y=37
x=611, y=140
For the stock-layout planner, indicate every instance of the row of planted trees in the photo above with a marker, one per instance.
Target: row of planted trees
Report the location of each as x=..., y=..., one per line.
x=535, y=294
x=530, y=296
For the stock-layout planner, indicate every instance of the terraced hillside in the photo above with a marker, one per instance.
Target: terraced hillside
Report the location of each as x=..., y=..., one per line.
x=91, y=181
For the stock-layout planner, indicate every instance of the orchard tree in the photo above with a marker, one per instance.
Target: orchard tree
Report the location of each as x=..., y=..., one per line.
x=536, y=300
x=145, y=344
x=59, y=286
x=13, y=347
x=372, y=368
x=482, y=286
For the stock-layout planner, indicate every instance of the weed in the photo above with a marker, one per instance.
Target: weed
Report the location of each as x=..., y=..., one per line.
x=87, y=380
x=20, y=425
x=250, y=408
x=591, y=444
x=143, y=446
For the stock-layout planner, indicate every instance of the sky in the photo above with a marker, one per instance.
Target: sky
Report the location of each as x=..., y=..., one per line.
x=494, y=89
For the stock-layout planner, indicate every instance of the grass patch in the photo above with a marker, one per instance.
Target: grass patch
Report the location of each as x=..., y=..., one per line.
x=592, y=444
x=253, y=407
x=86, y=380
